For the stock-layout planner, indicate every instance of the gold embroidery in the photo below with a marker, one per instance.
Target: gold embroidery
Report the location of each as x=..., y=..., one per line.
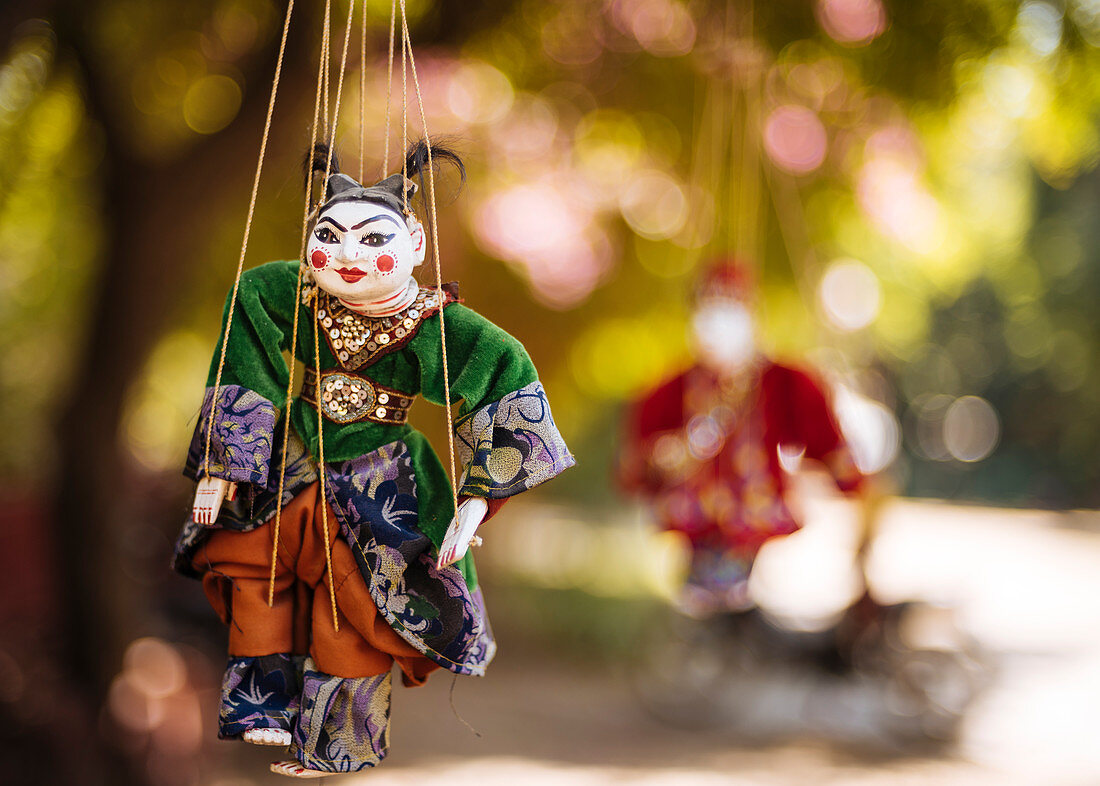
x=357, y=339
x=348, y=398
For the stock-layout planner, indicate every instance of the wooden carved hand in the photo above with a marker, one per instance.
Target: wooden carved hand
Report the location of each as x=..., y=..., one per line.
x=209, y=496
x=460, y=534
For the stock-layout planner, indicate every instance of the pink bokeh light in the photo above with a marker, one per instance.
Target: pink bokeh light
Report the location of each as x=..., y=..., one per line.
x=891, y=191
x=549, y=235
x=795, y=139
x=852, y=22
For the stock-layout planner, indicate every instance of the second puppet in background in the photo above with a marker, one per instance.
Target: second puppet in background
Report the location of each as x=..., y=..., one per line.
x=703, y=447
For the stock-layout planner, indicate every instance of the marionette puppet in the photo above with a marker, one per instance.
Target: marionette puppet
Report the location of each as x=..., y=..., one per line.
x=332, y=548
x=703, y=447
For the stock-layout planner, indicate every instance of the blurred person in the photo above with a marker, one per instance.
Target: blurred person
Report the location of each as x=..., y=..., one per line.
x=703, y=447
x=325, y=586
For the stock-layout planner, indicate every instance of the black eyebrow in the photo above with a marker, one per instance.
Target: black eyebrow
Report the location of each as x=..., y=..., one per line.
x=326, y=218
x=376, y=218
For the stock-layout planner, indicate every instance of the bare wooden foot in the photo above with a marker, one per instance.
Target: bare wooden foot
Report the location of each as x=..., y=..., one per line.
x=293, y=769
x=279, y=737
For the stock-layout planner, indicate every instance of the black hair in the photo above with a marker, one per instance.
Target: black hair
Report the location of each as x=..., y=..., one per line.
x=393, y=192
x=318, y=161
x=442, y=152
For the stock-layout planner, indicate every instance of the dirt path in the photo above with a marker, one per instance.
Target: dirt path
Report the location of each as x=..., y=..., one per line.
x=1024, y=583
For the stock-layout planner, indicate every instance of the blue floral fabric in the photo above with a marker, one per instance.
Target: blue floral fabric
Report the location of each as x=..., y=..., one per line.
x=241, y=439
x=374, y=499
x=259, y=693
x=507, y=446
x=344, y=722
x=254, y=505
x=510, y=445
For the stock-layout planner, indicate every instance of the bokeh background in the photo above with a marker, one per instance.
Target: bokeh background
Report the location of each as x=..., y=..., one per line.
x=915, y=183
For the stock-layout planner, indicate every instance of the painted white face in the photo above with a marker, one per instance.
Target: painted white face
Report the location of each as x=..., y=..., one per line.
x=363, y=252
x=724, y=335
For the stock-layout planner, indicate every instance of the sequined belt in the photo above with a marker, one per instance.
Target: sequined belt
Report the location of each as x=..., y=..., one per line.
x=349, y=398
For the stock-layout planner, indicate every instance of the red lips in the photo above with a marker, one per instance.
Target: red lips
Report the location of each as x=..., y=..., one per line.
x=351, y=274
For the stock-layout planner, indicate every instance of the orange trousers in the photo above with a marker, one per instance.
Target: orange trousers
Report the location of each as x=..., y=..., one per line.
x=236, y=573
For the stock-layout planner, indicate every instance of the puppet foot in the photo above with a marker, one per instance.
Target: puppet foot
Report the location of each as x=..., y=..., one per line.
x=280, y=737
x=293, y=769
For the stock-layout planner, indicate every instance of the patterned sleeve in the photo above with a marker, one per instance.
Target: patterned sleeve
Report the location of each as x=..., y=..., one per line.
x=506, y=437
x=252, y=390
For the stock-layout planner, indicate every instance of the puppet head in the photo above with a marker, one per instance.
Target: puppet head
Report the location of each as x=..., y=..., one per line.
x=722, y=323
x=366, y=240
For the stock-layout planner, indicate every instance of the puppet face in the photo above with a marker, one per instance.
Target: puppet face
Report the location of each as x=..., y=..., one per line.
x=364, y=252
x=724, y=334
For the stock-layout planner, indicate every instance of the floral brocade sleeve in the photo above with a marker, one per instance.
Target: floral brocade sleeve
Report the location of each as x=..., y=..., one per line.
x=505, y=435
x=252, y=389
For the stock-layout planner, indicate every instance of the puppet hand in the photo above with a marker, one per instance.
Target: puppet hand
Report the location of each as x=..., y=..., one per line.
x=460, y=534
x=209, y=497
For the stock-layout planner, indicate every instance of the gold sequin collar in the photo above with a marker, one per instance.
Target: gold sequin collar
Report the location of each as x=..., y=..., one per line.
x=358, y=340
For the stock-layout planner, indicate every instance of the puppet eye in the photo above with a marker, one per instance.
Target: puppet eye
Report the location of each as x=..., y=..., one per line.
x=325, y=235
x=376, y=239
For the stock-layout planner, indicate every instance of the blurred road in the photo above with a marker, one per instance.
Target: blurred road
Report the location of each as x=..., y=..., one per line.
x=1025, y=585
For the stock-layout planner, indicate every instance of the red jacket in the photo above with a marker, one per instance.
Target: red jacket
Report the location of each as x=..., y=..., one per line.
x=708, y=458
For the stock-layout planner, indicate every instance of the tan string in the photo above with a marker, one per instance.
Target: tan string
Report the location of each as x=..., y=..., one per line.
x=244, y=241
x=405, y=113
x=326, y=43
x=389, y=90
x=362, y=90
x=294, y=330
x=791, y=217
x=316, y=335
x=749, y=190
x=432, y=216
x=340, y=83
x=698, y=176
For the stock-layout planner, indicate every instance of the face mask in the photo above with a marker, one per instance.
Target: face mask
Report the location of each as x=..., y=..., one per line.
x=364, y=252
x=724, y=335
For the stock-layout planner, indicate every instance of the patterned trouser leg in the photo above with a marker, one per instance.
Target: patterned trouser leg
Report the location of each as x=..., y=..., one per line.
x=259, y=693
x=718, y=582
x=344, y=722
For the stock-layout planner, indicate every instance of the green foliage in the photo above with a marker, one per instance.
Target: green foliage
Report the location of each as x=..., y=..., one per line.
x=50, y=234
x=610, y=157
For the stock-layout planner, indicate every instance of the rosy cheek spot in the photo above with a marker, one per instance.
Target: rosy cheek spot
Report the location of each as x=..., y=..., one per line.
x=318, y=259
x=385, y=263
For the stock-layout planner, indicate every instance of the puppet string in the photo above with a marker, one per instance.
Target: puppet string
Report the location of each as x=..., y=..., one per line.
x=321, y=473
x=405, y=113
x=326, y=43
x=433, y=222
x=454, y=709
x=247, y=232
x=294, y=330
x=791, y=217
x=389, y=90
x=362, y=89
x=340, y=85
x=316, y=337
